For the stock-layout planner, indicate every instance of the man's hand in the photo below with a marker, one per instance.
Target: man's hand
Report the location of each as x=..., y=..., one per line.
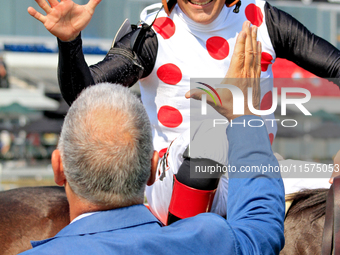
x=244, y=72
x=64, y=19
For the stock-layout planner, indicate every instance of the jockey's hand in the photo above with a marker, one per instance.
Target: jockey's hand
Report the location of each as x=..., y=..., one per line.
x=336, y=169
x=64, y=19
x=244, y=72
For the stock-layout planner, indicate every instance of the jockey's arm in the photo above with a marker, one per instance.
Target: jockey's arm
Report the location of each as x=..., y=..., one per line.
x=121, y=65
x=293, y=41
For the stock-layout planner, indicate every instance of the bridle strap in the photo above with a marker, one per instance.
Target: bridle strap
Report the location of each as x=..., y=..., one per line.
x=327, y=237
x=336, y=217
x=331, y=231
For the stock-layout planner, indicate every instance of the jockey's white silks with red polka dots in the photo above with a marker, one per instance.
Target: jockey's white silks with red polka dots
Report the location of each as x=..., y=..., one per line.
x=187, y=50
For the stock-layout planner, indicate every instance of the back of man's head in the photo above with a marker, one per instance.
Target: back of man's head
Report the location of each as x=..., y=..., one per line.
x=106, y=146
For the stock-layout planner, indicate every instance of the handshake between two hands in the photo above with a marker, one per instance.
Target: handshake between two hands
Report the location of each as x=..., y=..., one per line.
x=244, y=72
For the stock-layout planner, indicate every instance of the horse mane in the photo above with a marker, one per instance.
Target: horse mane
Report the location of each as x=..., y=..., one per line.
x=306, y=199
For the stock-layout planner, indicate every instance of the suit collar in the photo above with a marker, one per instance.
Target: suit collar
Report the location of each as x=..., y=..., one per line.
x=107, y=221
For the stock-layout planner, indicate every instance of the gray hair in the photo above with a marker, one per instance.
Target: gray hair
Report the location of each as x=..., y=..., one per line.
x=106, y=146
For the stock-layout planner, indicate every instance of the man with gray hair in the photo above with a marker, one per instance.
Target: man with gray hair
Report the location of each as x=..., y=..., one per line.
x=105, y=159
x=105, y=146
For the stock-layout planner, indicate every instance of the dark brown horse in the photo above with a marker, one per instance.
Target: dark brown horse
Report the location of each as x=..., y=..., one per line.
x=304, y=222
x=32, y=213
x=40, y=212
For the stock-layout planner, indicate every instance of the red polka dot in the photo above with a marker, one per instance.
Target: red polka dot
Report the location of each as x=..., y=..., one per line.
x=267, y=101
x=271, y=138
x=254, y=14
x=169, y=116
x=162, y=152
x=165, y=27
x=266, y=60
x=218, y=47
x=170, y=74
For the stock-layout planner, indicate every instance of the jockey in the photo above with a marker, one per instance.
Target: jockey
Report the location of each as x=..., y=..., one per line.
x=185, y=39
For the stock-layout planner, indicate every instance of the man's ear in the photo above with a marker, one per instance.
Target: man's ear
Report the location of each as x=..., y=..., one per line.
x=58, y=169
x=154, y=163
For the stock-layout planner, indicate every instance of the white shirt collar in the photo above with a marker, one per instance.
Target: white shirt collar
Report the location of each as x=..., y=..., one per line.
x=216, y=24
x=83, y=216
